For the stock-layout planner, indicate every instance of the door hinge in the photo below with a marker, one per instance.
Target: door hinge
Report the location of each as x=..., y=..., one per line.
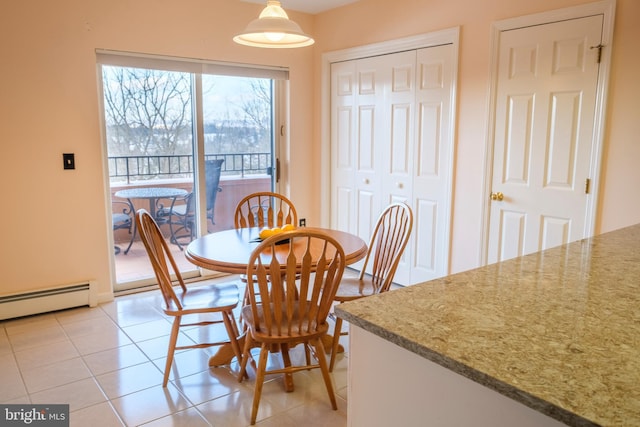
x=599, y=47
x=277, y=170
x=587, y=186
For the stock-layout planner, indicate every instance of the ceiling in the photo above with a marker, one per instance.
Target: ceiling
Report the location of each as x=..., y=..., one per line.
x=307, y=6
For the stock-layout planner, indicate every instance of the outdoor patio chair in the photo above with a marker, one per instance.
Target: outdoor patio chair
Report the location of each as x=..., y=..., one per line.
x=121, y=218
x=181, y=214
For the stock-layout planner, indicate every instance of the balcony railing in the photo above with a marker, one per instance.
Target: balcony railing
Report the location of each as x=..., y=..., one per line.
x=126, y=168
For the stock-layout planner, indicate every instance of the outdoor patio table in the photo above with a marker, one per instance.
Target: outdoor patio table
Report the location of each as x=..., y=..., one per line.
x=153, y=194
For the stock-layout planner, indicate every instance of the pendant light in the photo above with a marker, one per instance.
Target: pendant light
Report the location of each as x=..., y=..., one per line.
x=273, y=29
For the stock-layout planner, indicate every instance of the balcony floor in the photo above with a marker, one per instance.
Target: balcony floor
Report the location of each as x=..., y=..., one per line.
x=135, y=265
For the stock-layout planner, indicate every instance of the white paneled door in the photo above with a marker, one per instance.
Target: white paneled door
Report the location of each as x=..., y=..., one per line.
x=544, y=136
x=432, y=163
x=391, y=141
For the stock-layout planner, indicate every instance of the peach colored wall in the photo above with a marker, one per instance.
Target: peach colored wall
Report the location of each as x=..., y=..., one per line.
x=55, y=221
x=620, y=202
x=372, y=21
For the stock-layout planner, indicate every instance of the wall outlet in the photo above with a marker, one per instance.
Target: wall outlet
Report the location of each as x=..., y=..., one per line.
x=303, y=222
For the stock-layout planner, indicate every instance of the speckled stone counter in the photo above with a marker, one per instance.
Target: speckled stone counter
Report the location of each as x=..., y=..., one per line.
x=558, y=330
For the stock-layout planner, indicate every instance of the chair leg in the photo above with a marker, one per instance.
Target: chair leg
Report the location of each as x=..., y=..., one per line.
x=133, y=234
x=262, y=366
x=174, y=238
x=171, y=350
x=246, y=355
x=234, y=324
x=322, y=361
x=307, y=355
x=172, y=232
x=286, y=362
x=336, y=340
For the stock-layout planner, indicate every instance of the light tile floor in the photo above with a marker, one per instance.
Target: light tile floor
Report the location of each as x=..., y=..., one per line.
x=107, y=364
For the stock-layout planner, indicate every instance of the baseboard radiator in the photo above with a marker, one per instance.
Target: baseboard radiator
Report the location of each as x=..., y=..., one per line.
x=51, y=299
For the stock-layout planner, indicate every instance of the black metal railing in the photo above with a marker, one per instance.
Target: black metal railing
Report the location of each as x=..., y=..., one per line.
x=128, y=168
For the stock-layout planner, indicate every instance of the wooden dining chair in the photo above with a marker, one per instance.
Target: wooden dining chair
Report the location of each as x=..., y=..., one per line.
x=265, y=209
x=290, y=308
x=388, y=241
x=203, y=303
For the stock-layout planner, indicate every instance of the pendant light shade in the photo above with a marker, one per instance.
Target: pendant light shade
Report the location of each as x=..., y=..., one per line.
x=273, y=29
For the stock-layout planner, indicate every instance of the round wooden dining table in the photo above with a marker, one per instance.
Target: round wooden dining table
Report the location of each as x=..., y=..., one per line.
x=228, y=251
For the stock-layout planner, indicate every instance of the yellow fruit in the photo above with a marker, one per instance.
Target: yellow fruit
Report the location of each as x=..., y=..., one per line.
x=265, y=233
x=276, y=230
x=288, y=227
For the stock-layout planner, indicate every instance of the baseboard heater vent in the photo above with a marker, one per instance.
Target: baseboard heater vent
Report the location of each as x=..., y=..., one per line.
x=46, y=300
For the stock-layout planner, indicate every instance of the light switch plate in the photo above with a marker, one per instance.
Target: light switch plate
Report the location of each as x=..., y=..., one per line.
x=69, y=160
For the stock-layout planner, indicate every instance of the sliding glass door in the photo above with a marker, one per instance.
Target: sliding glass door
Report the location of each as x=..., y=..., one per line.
x=238, y=131
x=186, y=146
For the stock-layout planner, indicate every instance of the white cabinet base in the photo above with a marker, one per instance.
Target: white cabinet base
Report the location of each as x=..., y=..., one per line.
x=390, y=386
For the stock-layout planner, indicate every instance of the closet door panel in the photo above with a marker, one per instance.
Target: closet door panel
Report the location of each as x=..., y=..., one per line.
x=401, y=142
x=343, y=119
x=343, y=196
x=398, y=152
x=433, y=157
x=372, y=83
x=367, y=207
x=424, y=244
x=429, y=141
x=365, y=150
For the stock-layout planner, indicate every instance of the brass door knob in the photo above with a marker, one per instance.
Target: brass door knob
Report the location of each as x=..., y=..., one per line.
x=497, y=196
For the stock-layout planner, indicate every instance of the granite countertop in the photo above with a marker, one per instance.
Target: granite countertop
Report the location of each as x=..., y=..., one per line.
x=558, y=330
